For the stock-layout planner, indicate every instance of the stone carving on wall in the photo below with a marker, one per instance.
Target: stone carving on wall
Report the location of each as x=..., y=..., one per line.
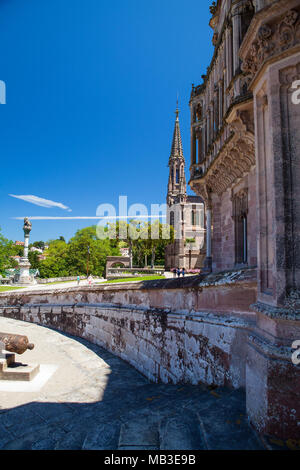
x=236, y=158
x=272, y=39
x=204, y=191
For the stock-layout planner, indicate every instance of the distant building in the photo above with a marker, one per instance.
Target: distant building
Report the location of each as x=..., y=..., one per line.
x=18, y=243
x=124, y=251
x=38, y=250
x=185, y=213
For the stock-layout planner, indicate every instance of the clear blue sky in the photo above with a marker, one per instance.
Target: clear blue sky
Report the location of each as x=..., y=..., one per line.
x=91, y=95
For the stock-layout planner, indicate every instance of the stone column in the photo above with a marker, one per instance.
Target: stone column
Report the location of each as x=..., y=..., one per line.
x=203, y=142
x=272, y=376
x=208, y=130
x=199, y=139
x=237, y=38
x=208, y=233
x=26, y=244
x=24, y=264
x=228, y=55
x=207, y=268
x=193, y=147
x=212, y=118
x=220, y=102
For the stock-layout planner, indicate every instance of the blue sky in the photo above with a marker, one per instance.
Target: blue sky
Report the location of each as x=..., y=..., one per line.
x=91, y=95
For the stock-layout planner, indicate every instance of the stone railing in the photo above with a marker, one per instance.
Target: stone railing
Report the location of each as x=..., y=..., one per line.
x=61, y=279
x=159, y=327
x=194, y=329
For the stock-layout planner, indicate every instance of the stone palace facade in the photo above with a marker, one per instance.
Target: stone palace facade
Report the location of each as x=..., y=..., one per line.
x=245, y=164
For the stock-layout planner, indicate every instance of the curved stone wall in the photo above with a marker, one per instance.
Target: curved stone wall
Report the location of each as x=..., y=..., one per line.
x=181, y=342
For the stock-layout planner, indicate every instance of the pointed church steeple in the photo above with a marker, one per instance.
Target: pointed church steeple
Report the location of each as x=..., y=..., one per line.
x=176, y=150
x=177, y=182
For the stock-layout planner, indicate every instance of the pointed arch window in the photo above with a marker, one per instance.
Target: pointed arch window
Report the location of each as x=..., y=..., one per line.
x=177, y=175
x=195, y=217
x=240, y=211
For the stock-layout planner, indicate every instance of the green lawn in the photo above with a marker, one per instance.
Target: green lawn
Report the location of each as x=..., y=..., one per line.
x=6, y=288
x=134, y=279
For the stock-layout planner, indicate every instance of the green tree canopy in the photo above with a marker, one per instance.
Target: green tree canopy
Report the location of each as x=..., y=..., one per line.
x=83, y=251
x=6, y=251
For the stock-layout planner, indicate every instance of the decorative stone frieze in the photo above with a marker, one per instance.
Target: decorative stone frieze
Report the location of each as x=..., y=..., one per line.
x=272, y=39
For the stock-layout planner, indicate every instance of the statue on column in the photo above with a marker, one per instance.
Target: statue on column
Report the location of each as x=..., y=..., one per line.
x=27, y=226
x=25, y=278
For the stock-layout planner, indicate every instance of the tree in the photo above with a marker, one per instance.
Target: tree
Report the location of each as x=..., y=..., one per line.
x=33, y=257
x=39, y=244
x=143, y=239
x=159, y=236
x=55, y=265
x=6, y=251
x=71, y=259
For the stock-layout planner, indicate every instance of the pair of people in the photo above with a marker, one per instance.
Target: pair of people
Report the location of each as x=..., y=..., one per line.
x=179, y=272
x=90, y=280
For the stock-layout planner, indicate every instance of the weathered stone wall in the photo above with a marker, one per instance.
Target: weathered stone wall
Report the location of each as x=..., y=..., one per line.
x=197, y=329
x=165, y=331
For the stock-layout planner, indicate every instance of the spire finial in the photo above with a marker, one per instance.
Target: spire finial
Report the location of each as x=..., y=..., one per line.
x=177, y=109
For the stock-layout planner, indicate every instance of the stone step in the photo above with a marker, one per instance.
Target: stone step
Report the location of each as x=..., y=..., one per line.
x=102, y=436
x=6, y=360
x=20, y=372
x=181, y=432
x=225, y=425
x=139, y=434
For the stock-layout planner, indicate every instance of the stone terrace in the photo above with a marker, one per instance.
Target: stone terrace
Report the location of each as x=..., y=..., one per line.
x=94, y=400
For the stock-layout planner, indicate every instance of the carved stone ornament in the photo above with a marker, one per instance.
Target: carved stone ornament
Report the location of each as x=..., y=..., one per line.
x=27, y=226
x=236, y=158
x=272, y=39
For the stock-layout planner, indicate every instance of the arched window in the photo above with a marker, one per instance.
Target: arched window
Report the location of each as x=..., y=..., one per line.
x=177, y=175
x=193, y=221
x=240, y=210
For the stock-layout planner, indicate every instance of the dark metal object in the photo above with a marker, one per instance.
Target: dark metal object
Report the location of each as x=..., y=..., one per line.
x=15, y=343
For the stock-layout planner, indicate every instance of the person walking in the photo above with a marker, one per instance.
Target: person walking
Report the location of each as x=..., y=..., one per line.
x=78, y=280
x=183, y=272
x=178, y=272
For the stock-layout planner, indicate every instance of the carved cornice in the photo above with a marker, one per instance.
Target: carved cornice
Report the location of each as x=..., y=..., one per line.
x=272, y=38
x=204, y=191
x=234, y=161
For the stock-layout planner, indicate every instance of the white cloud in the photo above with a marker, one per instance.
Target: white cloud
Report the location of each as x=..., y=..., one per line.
x=39, y=201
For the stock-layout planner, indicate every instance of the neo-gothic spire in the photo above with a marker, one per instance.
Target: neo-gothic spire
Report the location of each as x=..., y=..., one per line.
x=177, y=182
x=176, y=150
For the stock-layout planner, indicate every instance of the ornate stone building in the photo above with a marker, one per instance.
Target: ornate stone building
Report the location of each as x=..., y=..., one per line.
x=245, y=164
x=185, y=213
